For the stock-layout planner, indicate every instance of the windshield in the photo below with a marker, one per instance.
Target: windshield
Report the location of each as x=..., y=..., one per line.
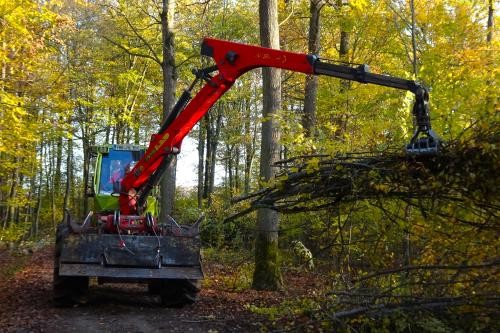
x=114, y=165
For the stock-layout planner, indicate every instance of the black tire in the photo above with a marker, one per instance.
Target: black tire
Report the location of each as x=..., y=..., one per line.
x=67, y=290
x=154, y=287
x=179, y=292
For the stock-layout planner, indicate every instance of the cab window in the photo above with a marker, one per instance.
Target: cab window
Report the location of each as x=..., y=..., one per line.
x=113, y=166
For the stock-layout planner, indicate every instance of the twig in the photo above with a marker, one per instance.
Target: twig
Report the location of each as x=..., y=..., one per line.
x=428, y=267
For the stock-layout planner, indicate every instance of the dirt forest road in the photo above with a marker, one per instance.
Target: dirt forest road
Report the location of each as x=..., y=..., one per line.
x=25, y=306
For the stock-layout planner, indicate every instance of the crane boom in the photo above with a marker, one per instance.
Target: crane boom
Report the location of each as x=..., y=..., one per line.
x=231, y=61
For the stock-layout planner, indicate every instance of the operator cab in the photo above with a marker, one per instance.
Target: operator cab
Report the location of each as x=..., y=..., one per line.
x=114, y=166
x=111, y=164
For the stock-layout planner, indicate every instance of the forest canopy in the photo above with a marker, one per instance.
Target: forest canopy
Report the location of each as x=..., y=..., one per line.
x=395, y=233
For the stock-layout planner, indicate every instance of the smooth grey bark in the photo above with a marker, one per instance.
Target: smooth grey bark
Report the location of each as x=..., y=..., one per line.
x=489, y=36
x=214, y=144
x=406, y=231
x=413, y=38
x=490, y=97
x=50, y=186
x=86, y=168
x=3, y=79
x=342, y=119
x=250, y=132
x=228, y=166
x=10, y=211
x=36, y=220
x=407, y=239
x=69, y=175
x=311, y=85
x=237, y=169
x=208, y=158
x=201, y=152
x=267, y=275
x=212, y=122
x=59, y=157
x=344, y=37
x=167, y=183
x=29, y=214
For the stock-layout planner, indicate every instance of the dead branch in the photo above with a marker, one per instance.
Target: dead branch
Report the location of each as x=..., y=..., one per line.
x=464, y=174
x=494, y=263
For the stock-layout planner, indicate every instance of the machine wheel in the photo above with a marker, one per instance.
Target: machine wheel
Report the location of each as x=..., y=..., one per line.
x=67, y=290
x=179, y=292
x=154, y=287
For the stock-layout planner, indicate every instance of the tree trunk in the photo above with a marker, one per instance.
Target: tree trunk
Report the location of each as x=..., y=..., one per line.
x=236, y=171
x=3, y=80
x=229, y=168
x=167, y=183
x=345, y=85
x=344, y=46
x=413, y=39
x=249, y=145
x=12, y=194
x=86, y=175
x=311, y=86
x=69, y=175
x=30, y=214
x=108, y=128
x=490, y=97
x=36, y=218
x=214, y=144
x=489, y=37
x=267, y=275
x=136, y=125
x=208, y=156
x=212, y=123
x=201, y=151
x=17, y=211
x=57, y=172
x=50, y=184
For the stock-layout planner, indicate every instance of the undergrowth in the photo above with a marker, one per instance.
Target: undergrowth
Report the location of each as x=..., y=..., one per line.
x=234, y=269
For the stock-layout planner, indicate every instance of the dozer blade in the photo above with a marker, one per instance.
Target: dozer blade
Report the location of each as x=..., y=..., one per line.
x=129, y=256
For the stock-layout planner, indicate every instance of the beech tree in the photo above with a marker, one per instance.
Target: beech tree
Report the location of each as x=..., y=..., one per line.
x=169, y=73
x=311, y=86
x=267, y=274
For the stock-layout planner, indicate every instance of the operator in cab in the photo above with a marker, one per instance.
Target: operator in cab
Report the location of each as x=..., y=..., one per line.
x=117, y=173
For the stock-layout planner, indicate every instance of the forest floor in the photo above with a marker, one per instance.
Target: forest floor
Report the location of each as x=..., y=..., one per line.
x=26, y=302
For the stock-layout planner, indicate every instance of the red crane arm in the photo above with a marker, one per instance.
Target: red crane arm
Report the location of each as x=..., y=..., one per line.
x=232, y=60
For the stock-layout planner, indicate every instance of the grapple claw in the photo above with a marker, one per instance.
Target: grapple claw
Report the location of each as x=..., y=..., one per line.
x=427, y=145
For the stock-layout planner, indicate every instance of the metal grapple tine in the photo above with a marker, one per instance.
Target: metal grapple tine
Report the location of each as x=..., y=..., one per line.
x=428, y=144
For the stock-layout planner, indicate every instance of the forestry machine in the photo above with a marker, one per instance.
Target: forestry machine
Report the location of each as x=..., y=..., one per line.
x=125, y=241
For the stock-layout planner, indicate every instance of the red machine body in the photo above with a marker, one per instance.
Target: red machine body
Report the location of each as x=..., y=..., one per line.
x=232, y=60
x=130, y=224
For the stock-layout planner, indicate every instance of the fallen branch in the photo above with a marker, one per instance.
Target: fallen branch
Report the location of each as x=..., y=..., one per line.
x=428, y=267
x=465, y=174
x=382, y=309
